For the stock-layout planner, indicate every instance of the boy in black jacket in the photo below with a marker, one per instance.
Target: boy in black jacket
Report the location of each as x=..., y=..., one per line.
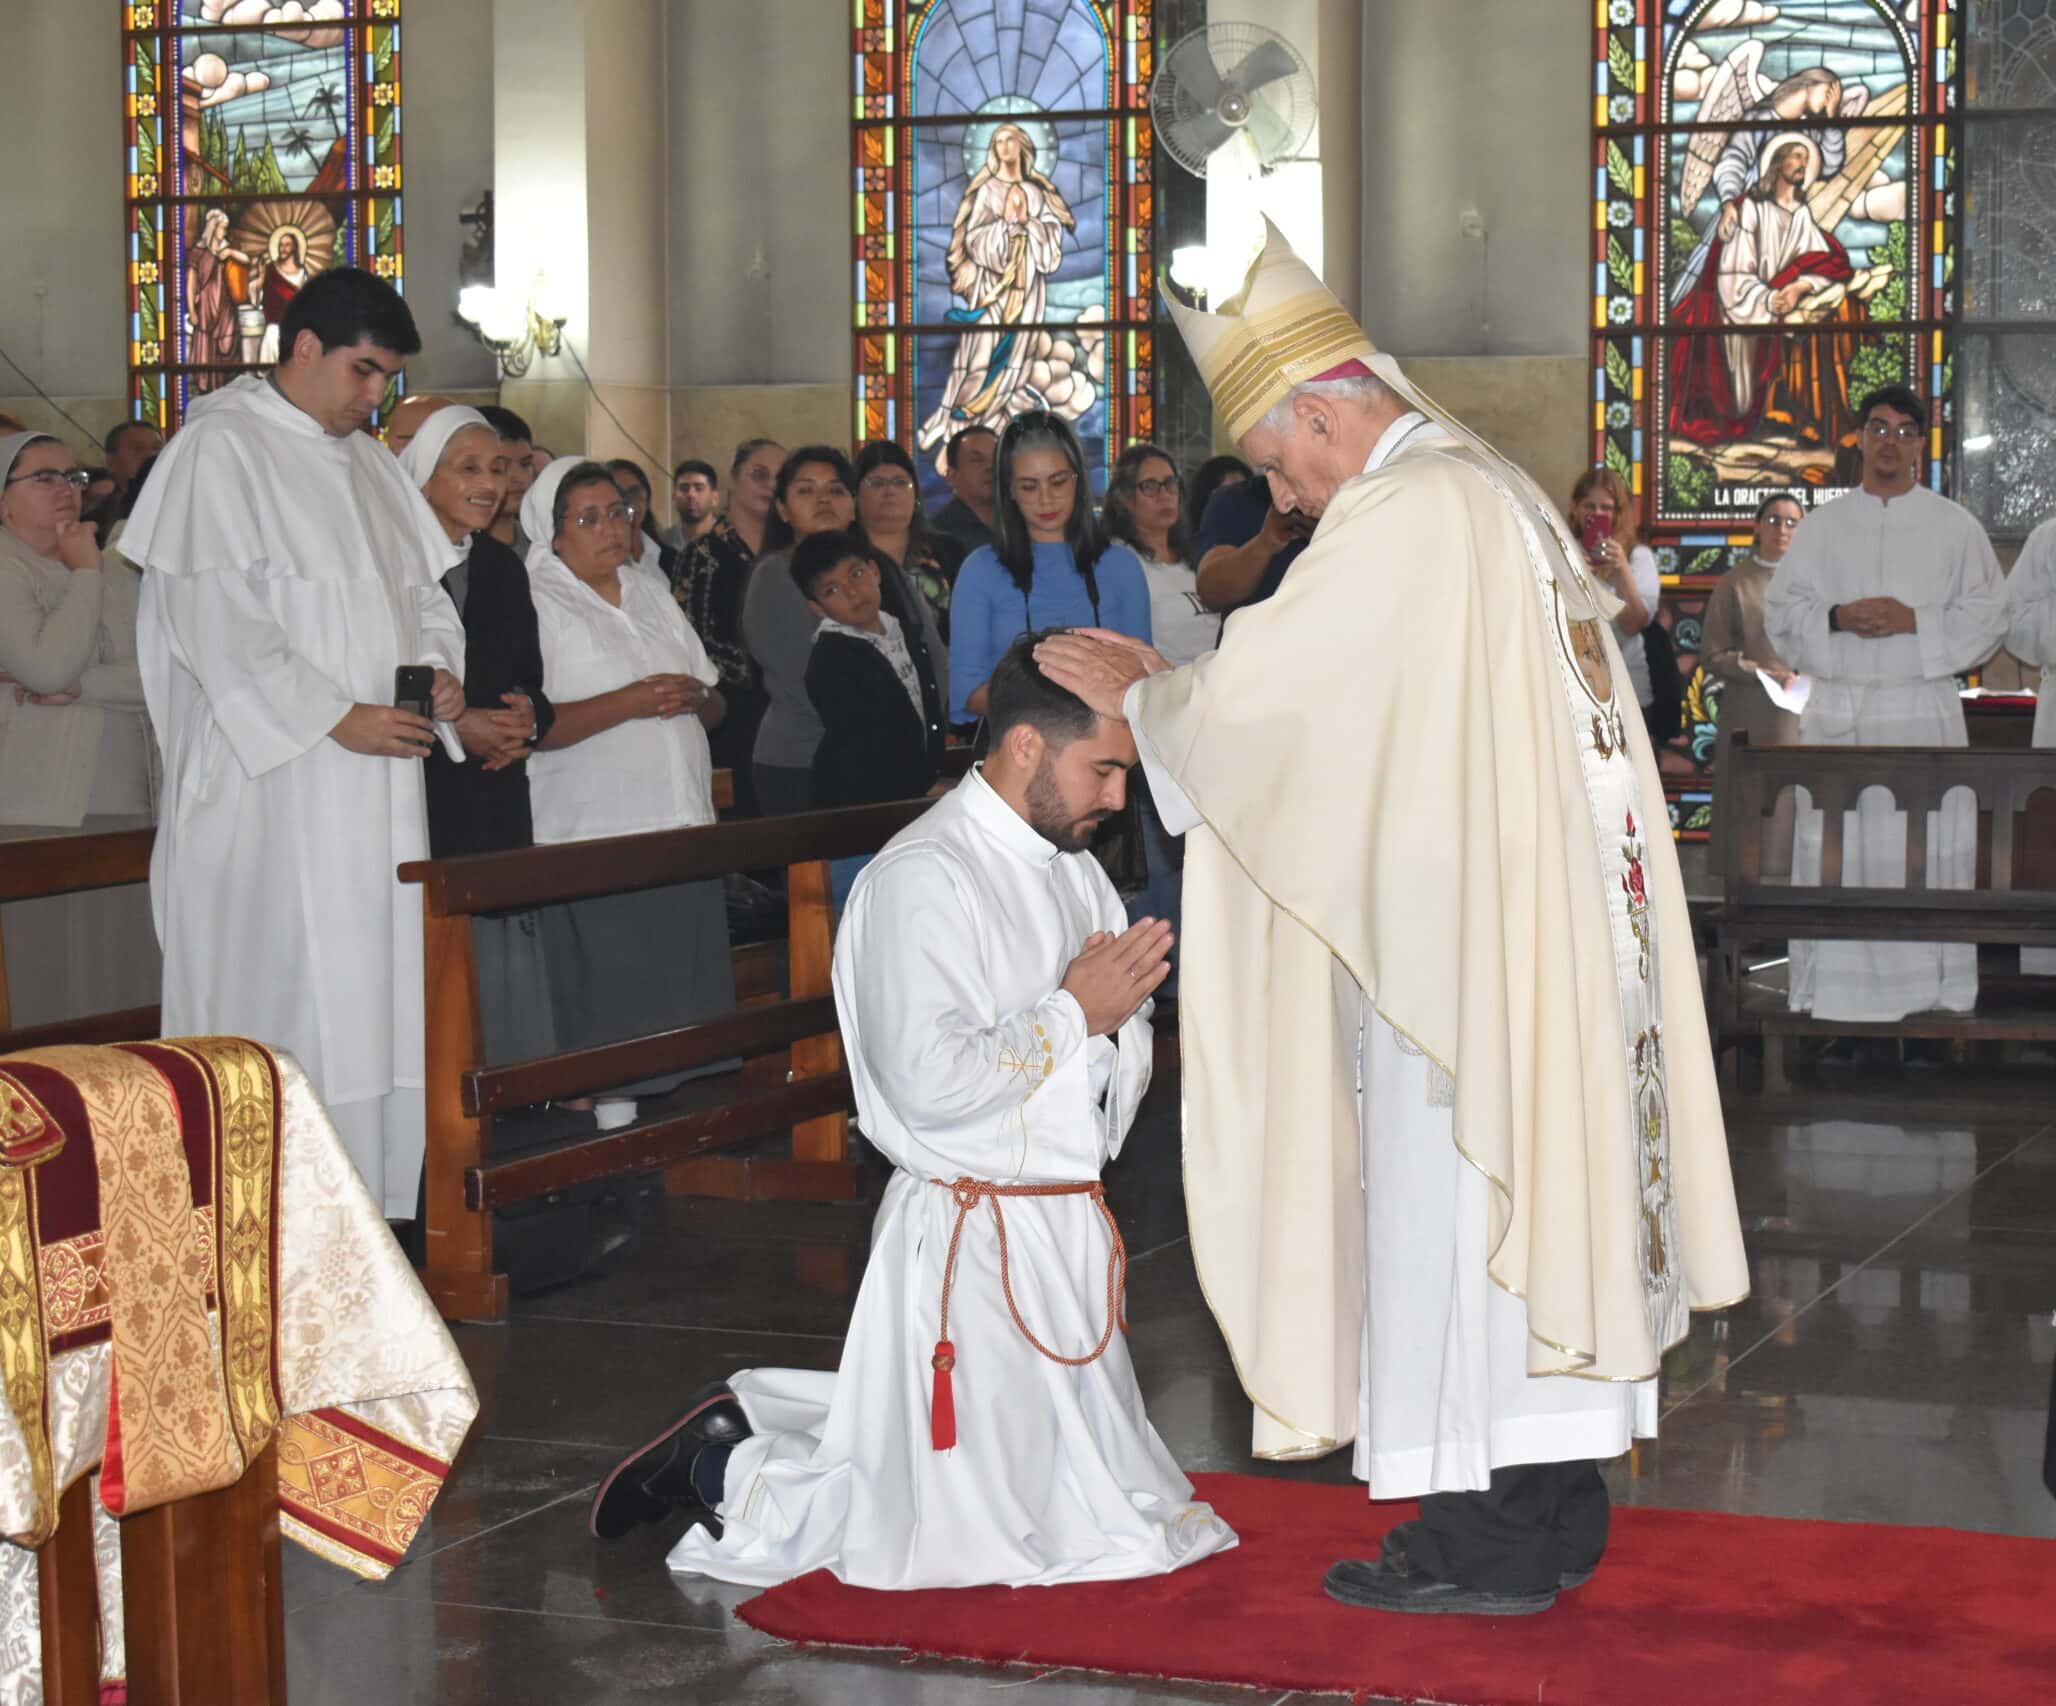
x=873, y=684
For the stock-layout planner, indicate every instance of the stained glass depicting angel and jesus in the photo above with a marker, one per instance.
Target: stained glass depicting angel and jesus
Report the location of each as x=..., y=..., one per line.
x=263, y=148
x=1003, y=254
x=1769, y=198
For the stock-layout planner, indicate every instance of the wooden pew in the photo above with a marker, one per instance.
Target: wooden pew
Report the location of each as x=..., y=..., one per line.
x=809, y=1099
x=2013, y=900
x=67, y=864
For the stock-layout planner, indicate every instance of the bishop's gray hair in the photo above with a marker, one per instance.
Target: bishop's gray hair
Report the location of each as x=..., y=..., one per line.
x=1363, y=388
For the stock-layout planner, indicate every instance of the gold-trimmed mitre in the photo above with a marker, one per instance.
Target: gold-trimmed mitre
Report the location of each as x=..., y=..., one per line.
x=1283, y=329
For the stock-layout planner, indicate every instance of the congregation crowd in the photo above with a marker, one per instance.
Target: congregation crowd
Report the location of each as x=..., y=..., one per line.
x=805, y=624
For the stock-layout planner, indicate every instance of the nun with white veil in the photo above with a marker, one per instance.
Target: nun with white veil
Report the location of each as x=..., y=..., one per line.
x=458, y=462
x=635, y=694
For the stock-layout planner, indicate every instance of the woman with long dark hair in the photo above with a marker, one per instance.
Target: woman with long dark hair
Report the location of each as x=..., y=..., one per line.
x=1145, y=511
x=814, y=492
x=1048, y=565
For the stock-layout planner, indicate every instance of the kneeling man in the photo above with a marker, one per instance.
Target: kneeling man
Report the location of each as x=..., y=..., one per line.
x=985, y=1425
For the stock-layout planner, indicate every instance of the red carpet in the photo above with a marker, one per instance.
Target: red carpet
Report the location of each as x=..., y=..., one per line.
x=1690, y=1608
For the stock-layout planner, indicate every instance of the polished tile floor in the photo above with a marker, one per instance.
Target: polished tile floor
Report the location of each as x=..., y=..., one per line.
x=1892, y=1366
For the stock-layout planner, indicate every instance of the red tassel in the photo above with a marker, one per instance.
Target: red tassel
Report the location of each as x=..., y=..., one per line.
x=942, y=1409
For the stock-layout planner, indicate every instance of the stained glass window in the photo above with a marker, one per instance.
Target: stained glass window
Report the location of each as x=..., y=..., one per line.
x=1002, y=194
x=263, y=147
x=1776, y=215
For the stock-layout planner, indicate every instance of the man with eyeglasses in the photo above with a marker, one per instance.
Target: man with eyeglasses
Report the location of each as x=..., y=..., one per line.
x=291, y=569
x=1887, y=594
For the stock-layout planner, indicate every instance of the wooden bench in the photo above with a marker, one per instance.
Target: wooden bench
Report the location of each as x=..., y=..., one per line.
x=71, y=864
x=203, y=1602
x=2012, y=902
x=784, y=1030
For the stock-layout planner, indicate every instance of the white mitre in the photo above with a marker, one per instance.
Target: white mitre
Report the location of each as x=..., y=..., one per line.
x=1286, y=328
x=1283, y=328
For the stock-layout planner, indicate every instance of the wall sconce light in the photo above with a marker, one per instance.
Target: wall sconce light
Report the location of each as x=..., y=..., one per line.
x=1192, y=269
x=515, y=329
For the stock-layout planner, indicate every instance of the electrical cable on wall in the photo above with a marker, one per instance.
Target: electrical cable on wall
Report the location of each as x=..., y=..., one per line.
x=657, y=463
x=91, y=437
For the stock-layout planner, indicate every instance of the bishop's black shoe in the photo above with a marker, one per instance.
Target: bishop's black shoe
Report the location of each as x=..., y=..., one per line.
x=1393, y=1555
x=657, y=1481
x=1377, y=1586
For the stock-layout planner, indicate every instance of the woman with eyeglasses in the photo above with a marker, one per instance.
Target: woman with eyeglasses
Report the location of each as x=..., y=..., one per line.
x=1048, y=566
x=815, y=493
x=891, y=522
x=635, y=694
x=1145, y=511
x=75, y=748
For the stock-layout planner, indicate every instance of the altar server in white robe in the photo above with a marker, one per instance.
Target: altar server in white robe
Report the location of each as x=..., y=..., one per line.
x=1886, y=595
x=2031, y=637
x=289, y=568
x=1454, y=1160
x=995, y=1005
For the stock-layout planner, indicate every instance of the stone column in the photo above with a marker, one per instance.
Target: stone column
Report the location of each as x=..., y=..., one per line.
x=540, y=196
x=626, y=202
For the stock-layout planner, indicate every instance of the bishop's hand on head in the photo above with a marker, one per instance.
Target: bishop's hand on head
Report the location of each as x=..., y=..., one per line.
x=1113, y=975
x=1098, y=665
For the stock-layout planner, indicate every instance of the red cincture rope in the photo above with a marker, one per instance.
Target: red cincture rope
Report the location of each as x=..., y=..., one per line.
x=942, y=1414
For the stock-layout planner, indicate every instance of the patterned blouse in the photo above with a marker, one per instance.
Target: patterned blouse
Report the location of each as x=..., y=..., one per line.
x=713, y=577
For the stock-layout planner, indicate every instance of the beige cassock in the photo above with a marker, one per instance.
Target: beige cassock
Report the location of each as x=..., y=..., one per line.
x=1419, y=783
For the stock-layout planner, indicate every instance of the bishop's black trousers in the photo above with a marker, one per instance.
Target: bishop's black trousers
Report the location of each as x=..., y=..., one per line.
x=1537, y=1522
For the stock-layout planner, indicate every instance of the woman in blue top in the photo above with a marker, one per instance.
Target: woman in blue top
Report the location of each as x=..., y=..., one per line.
x=1048, y=565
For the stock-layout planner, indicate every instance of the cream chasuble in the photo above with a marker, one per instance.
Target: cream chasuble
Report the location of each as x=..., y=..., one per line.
x=1930, y=554
x=1446, y=1379
x=2031, y=637
x=287, y=574
x=1421, y=795
x=969, y=1061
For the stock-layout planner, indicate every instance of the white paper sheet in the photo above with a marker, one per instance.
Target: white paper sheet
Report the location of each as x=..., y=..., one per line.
x=1791, y=698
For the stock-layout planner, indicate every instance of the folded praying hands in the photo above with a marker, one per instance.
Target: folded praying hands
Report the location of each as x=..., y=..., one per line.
x=498, y=738
x=1113, y=975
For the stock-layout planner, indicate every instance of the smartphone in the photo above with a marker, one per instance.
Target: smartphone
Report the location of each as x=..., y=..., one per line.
x=1594, y=533
x=414, y=689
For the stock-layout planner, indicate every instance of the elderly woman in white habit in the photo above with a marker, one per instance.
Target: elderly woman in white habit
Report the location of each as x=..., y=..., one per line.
x=460, y=464
x=75, y=750
x=1007, y=238
x=635, y=694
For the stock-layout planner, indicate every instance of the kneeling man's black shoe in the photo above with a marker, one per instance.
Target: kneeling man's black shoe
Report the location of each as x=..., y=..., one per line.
x=1377, y=1586
x=655, y=1480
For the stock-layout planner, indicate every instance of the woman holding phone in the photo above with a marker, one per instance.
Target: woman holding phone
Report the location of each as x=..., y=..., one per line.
x=1604, y=521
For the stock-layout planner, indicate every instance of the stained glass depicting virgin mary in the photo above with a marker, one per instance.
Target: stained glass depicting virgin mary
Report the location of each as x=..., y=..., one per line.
x=1007, y=238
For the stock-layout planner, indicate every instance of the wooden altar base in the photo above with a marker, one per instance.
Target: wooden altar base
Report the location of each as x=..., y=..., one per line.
x=203, y=1609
